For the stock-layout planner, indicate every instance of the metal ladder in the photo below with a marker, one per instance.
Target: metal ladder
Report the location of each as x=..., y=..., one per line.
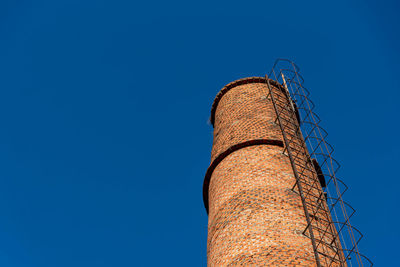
x=320, y=227
x=334, y=240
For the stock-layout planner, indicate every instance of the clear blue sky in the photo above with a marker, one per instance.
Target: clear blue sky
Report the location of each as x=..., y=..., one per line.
x=104, y=140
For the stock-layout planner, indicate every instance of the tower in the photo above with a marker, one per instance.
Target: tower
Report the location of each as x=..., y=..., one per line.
x=265, y=192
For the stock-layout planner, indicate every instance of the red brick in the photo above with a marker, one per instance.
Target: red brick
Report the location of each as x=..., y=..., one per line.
x=254, y=216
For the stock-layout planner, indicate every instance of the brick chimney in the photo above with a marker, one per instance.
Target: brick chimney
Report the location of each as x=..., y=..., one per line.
x=255, y=218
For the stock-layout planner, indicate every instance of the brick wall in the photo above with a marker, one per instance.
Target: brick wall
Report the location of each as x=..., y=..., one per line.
x=254, y=216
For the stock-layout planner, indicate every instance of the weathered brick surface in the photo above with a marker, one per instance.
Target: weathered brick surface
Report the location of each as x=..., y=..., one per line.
x=254, y=217
x=243, y=114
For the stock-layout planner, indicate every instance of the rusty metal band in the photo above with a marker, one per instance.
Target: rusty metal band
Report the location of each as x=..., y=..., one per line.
x=226, y=153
